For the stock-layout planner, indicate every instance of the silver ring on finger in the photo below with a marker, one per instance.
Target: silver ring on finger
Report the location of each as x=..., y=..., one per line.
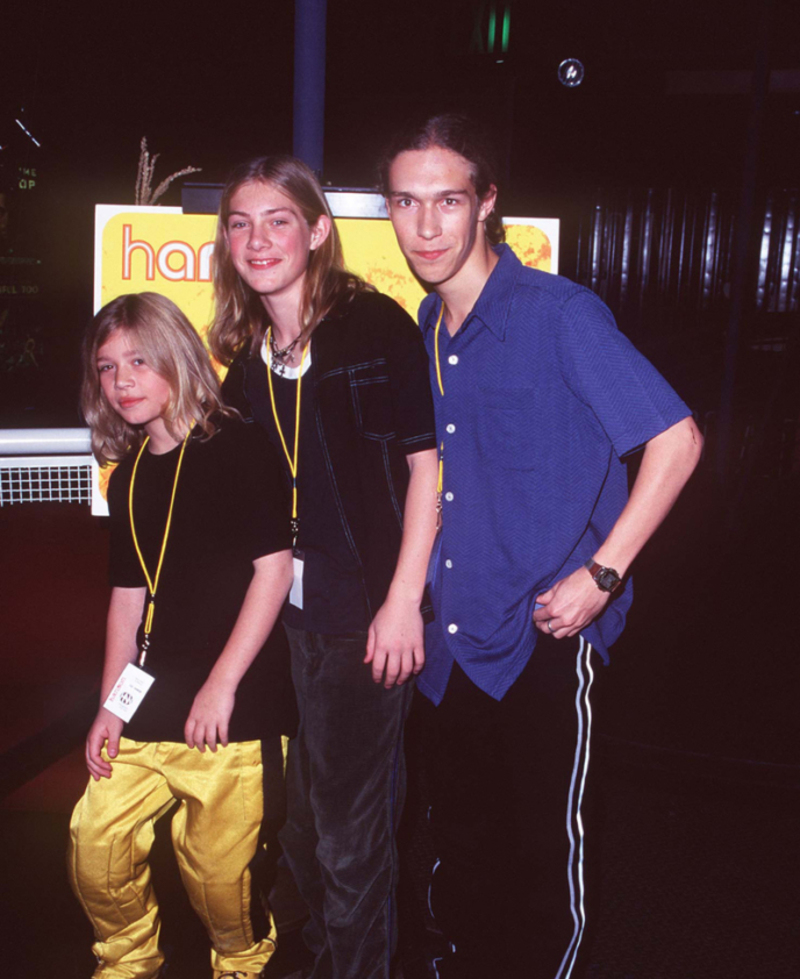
x=550, y=625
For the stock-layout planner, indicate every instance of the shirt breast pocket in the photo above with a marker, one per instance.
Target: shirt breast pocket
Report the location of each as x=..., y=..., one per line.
x=371, y=398
x=507, y=420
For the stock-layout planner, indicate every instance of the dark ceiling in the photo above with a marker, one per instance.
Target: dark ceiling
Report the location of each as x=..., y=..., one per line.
x=209, y=90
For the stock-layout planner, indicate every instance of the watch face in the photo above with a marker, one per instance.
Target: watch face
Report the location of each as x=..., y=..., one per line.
x=607, y=579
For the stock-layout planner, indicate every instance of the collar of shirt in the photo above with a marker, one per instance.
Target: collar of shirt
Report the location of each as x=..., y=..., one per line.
x=494, y=302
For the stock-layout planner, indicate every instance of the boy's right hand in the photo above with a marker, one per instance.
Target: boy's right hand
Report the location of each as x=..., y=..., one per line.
x=106, y=729
x=210, y=716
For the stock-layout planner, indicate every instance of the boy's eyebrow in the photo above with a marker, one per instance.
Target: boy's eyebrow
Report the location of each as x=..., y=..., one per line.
x=131, y=352
x=438, y=193
x=267, y=210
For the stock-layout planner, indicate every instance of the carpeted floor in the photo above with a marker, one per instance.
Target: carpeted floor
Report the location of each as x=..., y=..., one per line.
x=697, y=735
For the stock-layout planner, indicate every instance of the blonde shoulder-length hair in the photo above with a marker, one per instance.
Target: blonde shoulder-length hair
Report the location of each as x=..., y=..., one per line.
x=170, y=346
x=240, y=315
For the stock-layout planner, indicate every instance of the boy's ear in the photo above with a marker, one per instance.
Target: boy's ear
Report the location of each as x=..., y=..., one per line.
x=488, y=202
x=320, y=231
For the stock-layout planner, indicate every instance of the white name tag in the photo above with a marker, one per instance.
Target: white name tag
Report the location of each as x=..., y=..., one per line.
x=128, y=692
x=296, y=594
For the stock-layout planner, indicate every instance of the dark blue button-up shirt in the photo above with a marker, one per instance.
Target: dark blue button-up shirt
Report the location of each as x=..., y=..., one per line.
x=543, y=399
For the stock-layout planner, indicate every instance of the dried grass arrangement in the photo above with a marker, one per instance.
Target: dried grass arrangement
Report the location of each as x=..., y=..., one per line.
x=145, y=195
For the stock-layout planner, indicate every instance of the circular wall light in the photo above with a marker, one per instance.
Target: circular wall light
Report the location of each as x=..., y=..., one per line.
x=571, y=72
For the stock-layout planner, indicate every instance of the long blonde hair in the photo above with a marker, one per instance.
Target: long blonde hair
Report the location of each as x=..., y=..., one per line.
x=240, y=315
x=172, y=348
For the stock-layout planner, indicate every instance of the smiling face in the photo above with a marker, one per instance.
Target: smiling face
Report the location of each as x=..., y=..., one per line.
x=134, y=389
x=270, y=241
x=436, y=213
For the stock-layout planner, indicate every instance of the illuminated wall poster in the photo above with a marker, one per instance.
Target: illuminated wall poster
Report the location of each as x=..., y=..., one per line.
x=161, y=249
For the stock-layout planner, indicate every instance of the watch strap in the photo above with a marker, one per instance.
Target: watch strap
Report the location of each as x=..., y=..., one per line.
x=606, y=579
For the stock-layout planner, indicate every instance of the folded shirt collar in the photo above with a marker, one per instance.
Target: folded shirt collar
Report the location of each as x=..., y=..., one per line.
x=494, y=302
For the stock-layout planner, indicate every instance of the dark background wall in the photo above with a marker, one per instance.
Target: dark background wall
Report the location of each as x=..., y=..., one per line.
x=212, y=91
x=644, y=163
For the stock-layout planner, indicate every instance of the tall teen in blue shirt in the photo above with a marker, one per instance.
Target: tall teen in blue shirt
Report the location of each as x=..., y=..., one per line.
x=337, y=375
x=538, y=399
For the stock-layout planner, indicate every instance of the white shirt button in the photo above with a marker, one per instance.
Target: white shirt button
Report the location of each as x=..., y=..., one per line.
x=448, y=497
x=448, y=563
x=452, y=628
x=452, y=359
x=450, y=429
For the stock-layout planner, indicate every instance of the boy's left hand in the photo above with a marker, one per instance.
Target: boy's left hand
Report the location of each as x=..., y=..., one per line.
x=395, y=642
x=569, y=605
x=209, y=717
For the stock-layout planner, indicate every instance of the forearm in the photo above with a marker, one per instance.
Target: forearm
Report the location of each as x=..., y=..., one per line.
x=395, y=645
x=419, y=528
x=668, y=461
x=124, y=616
x=272, y=579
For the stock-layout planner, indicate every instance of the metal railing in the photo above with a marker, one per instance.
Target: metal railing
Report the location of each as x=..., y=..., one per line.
x=45, y=465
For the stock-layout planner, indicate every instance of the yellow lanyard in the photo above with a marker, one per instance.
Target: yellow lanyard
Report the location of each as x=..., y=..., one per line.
x=440, y=481
x=436, y=342
x=152, y=584
x=292, y=461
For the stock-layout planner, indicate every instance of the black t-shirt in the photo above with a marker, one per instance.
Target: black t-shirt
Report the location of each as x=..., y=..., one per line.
x=370, y=380
x=333, y=593
x=230, y=508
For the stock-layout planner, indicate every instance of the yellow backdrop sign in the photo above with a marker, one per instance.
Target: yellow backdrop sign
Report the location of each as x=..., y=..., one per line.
x=161, y=249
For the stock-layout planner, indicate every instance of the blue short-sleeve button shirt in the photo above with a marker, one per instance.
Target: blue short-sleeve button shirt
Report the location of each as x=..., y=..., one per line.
x=543, y=399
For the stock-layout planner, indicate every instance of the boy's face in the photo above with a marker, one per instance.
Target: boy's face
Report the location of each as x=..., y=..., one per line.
x=270, y=240
x=436, y=213
x=133, y=388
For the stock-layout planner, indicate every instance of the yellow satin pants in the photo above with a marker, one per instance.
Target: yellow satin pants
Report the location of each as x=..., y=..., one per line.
x=214, y=833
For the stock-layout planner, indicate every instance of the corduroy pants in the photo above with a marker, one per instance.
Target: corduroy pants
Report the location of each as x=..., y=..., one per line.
x=346, y=786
